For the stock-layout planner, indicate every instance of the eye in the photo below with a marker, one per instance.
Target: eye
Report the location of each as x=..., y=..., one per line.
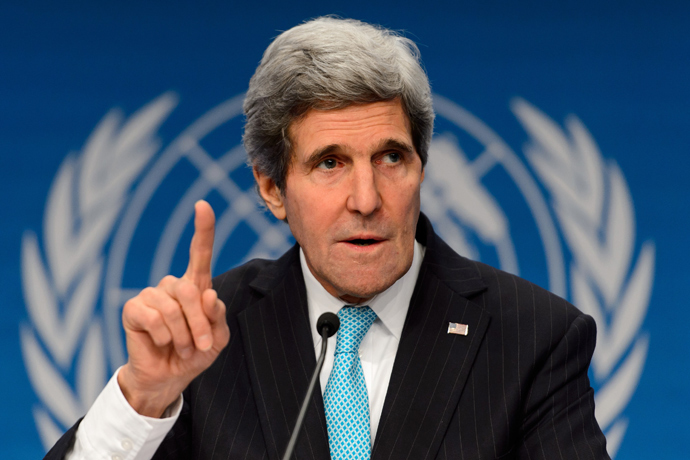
x=392, y=157
x=328, y=163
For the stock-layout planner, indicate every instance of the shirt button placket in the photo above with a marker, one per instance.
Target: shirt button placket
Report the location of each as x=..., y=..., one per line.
x=126, y=445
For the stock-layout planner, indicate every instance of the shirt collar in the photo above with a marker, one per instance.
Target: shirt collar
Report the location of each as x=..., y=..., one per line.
x=390, y=305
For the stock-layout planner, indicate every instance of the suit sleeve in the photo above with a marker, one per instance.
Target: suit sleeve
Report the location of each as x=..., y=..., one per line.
x=64, y=444
x=559, y=418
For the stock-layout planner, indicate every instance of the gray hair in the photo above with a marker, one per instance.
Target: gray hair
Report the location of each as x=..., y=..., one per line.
x=330, y=63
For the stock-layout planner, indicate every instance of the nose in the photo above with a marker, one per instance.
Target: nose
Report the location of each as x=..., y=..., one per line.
x=364, y=197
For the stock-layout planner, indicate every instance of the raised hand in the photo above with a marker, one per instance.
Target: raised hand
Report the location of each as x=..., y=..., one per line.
x=174, y=330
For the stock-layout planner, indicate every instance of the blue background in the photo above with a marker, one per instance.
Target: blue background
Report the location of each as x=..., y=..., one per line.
x=622, y=68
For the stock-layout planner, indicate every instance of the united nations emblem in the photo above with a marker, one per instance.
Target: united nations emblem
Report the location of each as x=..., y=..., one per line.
x=119, y=216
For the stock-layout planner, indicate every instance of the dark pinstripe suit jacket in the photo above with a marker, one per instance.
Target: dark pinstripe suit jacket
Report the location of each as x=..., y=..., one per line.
x=515, y=387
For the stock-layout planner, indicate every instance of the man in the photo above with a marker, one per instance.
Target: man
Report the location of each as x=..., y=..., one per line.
x=457, y=359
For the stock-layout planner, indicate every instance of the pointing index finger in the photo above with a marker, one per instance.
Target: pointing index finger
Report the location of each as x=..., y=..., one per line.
x=201, y=248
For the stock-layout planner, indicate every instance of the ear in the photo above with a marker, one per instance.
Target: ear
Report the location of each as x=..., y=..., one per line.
x=271, y=194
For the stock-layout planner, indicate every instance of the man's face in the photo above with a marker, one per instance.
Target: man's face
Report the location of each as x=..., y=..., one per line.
x=352, y=196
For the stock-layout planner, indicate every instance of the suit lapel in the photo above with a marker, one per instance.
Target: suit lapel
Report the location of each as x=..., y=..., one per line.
x=280, y=358
x=431, y=365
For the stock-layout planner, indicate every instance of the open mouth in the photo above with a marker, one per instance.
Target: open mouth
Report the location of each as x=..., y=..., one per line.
x=362, y=242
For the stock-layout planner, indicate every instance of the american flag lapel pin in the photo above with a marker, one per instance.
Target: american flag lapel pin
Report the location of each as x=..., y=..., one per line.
x=457, y=328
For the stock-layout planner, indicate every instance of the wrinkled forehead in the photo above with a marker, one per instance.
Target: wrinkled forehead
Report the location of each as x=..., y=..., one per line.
x=316, y=120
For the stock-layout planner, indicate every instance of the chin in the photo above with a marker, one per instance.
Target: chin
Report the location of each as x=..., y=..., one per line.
x=367, y=285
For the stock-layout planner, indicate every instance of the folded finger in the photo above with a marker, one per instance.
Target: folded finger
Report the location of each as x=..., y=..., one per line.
x=209, y=299
x=137, y=317
x=215, y=312
x=173, y=317
x=189, y=297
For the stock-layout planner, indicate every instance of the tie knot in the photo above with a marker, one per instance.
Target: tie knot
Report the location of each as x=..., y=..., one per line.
x=354, y=324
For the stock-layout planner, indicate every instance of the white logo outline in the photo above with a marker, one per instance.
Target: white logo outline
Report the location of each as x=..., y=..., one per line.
x=90, y=190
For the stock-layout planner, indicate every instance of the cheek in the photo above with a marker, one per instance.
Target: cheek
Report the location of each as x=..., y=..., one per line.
x=406, y=197
x=408, y=210
x=309, y=219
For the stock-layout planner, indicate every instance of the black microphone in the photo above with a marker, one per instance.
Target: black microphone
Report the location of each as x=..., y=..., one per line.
x=327, y=325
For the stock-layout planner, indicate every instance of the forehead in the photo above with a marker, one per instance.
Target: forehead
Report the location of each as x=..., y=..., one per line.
x=355, y=127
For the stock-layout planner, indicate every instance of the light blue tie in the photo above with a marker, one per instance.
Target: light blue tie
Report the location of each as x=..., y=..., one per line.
x=345, y=399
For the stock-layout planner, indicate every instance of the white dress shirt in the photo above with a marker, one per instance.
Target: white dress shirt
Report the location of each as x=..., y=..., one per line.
x=113, y=430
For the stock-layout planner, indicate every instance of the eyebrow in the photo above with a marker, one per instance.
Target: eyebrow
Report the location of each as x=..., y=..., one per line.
x=386, y=144
x=395, y=144
x=319, y=154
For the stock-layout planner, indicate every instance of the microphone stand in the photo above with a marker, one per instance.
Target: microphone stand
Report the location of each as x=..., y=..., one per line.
x=327, y=329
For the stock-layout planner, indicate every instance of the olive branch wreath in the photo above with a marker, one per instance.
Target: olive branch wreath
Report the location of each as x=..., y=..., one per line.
x=592, y=204
x=62, y=287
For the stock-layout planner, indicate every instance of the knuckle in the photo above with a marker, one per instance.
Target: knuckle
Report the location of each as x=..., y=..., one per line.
x=182, y=341
x=167, y=281
x=160, y=336
x=210, y=295
x=132, y=308
x=150, y=319
x=129, y=306
x=170, y=308
x=186, y=290
x=221, y=307
x=218, y=312
x=148, y=293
